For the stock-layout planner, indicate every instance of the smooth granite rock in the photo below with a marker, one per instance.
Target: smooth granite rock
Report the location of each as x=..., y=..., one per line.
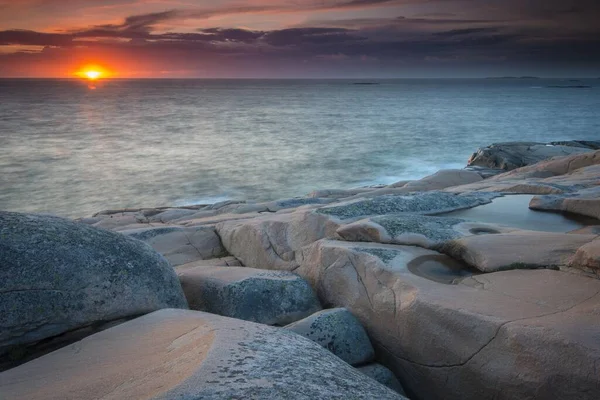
x=512, y=155
x=584, y=202
x=382, y=375
x=271, y=241
x=520, y=334
x=339, y=332
x=413, y=229
x=517, y=250
x=57, y=275
x=266, y=297
x=181, y=245
x=178, y=354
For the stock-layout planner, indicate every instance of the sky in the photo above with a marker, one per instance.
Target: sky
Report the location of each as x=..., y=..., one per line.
x=300, y=38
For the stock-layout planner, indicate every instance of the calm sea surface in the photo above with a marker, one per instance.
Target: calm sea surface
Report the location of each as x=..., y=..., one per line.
x=69, y=149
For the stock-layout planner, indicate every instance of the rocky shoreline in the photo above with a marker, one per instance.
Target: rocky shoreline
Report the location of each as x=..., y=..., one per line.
x=480, y=283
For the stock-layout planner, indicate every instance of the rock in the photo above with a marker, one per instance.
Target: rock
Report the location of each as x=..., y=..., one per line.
x=588, y=230
x=590, y=144
x=519, y=334
x=428, y=203
x=266, y=297
x=214, y=262
x=512, y=155
x=271, y=241
x=382, y=375
x=413, y=229
x=57, y=275
x=587, y=258
x=339, y=332
x=399, y=184
x=170, y=215
x=516, y=250
x=443, y=179
x=585, y=202
x=338, y=193
x=177, y=354
x=181, y=245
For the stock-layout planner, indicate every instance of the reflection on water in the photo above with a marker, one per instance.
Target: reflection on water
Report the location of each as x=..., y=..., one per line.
x=68, y=149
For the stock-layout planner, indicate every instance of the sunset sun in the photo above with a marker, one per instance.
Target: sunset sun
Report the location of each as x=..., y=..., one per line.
x=93, y=75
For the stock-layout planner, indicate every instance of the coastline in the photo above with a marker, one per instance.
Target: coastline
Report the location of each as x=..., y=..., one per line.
x=465, y=281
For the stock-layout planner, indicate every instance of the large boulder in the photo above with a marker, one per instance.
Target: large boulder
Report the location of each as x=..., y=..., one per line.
x=181, y=245
x=520, y=334
x=271, y=241
x=57, y=275
x=516, y=250
x=266, y=297
x=339, y=332
x=512, y=155
x=177, y=354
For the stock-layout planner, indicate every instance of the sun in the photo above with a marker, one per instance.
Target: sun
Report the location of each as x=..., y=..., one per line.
x=92, y=72
x=93, y=75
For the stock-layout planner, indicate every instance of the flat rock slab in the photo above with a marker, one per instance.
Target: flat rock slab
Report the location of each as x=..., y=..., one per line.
x=428, y=203
x=518, y=250
x=177, y=354
x=339, y=332
x=266, y=297
x=181, y=245
x=521, y=334
x=57, y=275
x=413, y=229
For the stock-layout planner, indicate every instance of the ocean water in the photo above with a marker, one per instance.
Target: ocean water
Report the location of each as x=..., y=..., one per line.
x=72, y=149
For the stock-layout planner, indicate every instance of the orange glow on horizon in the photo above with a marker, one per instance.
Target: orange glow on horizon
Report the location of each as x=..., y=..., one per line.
x=93, y=72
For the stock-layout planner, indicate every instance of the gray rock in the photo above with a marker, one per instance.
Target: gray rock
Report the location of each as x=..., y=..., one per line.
x=412, y=229
x=177, y=354
x=383, y=375
x=590, y=144
x=428, y=203
x=266, y=297
x=57, y=275
x=512, y=155
x=181, y=245
x=339, y=332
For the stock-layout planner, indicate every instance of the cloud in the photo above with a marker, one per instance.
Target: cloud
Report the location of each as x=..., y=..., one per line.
x=510, y=33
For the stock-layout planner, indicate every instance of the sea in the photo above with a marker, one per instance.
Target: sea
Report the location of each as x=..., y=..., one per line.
x=72, y=148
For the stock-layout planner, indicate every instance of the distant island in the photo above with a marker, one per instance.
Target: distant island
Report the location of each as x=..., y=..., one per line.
x=513, y=77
